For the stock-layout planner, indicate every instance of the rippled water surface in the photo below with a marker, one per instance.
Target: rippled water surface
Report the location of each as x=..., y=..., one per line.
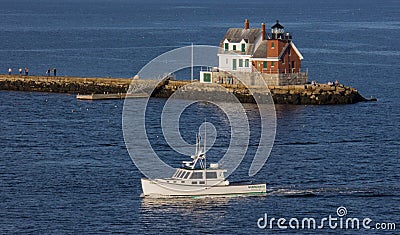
x=64, y=167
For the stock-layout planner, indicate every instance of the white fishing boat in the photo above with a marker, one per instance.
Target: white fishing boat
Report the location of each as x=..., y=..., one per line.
x=194, y=179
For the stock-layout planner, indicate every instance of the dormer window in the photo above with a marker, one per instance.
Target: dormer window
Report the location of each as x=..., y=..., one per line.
x=226, y=46
x=243, y=47
x=234, y=47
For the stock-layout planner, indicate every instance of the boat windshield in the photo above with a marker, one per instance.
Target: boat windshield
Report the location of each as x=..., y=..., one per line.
x=211, y=175
x=197, y=175
x=186, y=175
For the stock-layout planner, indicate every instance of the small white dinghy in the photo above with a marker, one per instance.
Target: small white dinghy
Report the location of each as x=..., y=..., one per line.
x=199, y=181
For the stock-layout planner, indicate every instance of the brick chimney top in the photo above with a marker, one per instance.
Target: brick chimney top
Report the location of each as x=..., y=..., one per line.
x=246, y=24
x=262, y=31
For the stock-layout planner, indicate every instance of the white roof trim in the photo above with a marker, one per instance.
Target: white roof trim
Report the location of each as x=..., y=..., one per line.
x=296, y=50
x=265, y=59
x=233, y=55
x=284, y=50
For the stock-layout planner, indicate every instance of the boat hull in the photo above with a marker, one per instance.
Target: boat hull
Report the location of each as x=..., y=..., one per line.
x=157, y=189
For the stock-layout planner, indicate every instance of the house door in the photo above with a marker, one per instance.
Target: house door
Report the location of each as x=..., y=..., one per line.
x=207, y=77
x=234, y=64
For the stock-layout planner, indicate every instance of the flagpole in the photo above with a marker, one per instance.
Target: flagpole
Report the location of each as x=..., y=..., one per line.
x=191, y=65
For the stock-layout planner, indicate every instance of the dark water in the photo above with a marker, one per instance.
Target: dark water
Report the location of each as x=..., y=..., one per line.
x=64, y=167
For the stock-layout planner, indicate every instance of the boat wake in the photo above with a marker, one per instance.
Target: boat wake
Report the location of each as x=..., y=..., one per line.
x=333, y=192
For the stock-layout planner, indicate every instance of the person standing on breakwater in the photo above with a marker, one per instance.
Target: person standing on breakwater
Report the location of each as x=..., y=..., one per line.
x=26, y=71
x=336, y=83
x=48, y=72
x=20, y=71
x=9, y=71
x=55, y=72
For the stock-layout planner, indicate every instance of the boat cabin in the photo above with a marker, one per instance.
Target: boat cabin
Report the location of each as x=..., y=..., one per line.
x=201, y=176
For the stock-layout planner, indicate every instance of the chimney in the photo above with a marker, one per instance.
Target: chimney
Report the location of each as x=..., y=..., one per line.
x=262, y=31
x=246, y=24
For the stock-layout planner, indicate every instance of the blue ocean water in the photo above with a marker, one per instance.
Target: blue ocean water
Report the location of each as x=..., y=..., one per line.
x=64, y=167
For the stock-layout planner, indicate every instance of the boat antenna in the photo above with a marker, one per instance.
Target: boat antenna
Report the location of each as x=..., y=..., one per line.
x=205, y=139
x=205, y=142
x=197, y=144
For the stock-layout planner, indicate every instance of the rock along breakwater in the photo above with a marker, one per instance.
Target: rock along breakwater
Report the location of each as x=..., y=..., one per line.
x=292, y=94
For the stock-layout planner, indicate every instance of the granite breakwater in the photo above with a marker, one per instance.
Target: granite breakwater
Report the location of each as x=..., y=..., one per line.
x=292, y=94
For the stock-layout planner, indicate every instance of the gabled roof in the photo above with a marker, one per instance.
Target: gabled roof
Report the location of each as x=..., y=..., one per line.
x=236, y=35
x=261, y=50
x=296, y=50
x=283, y=50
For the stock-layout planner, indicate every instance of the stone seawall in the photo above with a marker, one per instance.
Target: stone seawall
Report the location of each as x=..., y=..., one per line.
x=319, y=94
x=294, y=94
x=73, y=85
